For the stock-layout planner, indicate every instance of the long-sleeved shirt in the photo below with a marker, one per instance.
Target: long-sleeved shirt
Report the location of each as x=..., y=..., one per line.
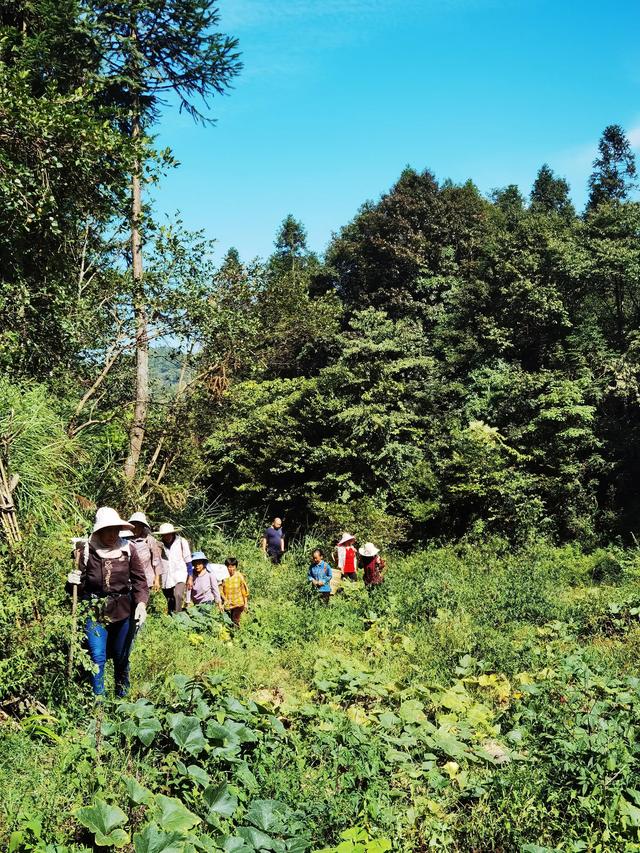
x=205, y=588
x=235, y=592
x=176, y=562
x=373, y=567
x=116, y=576
x=321, y=572
x=150, y=552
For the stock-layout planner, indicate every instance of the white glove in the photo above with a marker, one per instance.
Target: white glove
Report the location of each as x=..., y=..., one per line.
x=141, y=614
x=74, y=577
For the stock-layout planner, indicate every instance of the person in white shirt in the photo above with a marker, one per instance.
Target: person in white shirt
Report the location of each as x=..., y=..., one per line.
x=176, y=567
x=219, y=570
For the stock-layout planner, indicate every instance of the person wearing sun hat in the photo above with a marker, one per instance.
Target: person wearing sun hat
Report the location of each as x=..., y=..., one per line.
x=110, y=578
x=347, y=556
x=176, y=573
x=148, y=548
x=372, y=564
x=205, y=589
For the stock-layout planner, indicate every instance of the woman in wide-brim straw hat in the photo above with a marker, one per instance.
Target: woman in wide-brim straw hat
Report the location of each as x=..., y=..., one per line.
x=347, y=556
x=176, y=573
x=111, y=579
x=372, y=564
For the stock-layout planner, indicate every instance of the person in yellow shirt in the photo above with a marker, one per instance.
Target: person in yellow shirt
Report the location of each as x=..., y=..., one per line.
x=234, y=591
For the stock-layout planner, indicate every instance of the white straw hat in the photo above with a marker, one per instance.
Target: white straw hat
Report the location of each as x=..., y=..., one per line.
x=368, y=550
x=139, y=518
x=166, y=528
x=346, y=537
x=108, y=517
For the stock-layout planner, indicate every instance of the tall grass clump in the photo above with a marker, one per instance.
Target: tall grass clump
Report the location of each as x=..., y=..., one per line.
x=39, y=451
x=34, y=628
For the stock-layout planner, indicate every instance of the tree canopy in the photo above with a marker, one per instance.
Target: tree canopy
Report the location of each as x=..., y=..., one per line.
x=453, y=363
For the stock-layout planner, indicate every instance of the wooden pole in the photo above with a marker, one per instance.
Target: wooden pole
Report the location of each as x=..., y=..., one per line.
x=74, y=620
x=74, y=629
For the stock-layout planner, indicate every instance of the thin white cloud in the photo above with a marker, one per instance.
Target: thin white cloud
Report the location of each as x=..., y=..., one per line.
x=581, y=157
x=634, y=136
x=576, y=163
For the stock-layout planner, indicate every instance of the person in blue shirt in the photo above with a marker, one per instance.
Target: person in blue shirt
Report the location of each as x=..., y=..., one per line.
x=320, y=575
x=273, y=542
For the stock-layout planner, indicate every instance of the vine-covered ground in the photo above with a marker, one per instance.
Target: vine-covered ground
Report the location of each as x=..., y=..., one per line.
x=483, y=700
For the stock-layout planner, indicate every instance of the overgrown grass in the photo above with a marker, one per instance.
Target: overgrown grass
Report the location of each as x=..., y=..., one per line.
x=386, y=704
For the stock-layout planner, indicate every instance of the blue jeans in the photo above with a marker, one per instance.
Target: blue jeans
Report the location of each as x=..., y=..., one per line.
x=110, y=641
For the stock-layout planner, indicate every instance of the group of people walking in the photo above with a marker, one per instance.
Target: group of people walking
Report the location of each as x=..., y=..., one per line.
x=122, y=562
x=118, y=566
x=348, y=559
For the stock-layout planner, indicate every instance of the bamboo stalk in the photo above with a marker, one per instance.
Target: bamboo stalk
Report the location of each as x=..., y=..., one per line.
x=7, y=506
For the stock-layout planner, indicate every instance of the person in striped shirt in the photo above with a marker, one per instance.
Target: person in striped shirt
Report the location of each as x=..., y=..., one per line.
x=234, y=591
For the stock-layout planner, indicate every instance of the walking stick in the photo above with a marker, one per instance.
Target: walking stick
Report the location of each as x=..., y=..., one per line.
x=74, y=619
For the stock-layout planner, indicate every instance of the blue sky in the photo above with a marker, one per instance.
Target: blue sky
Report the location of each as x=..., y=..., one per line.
x=337, y=96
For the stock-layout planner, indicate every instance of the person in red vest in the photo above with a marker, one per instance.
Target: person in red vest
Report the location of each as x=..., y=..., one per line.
x=347, y=557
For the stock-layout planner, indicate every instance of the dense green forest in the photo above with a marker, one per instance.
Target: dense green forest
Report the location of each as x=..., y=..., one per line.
x=457, y=378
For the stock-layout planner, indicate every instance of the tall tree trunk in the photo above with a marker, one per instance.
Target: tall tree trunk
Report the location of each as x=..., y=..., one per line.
x=136, y=433
x=620, y=313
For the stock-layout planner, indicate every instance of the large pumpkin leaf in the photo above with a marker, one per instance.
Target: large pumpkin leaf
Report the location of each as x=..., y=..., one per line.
x=137, y=793
x=153, y=840
x=259, y=840
x=241, y=733
x=187, y=733
x=412, y=711
x=140, y=709
x=221, y=800
x=297, y=845
x=147, y=729
x=140, y=720
x=243, y=774
x=207, y=844
x=218, y=732
x=237, y=709
x=104, y=821
x=277, y=726
x=172, y=815
x=379, y=845
x=198, y=774
x=447, y=743
x=266, y=814
x=235, y=844
x=230, y=753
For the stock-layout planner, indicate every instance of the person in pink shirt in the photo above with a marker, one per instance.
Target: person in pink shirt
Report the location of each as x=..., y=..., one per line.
x=205, y=589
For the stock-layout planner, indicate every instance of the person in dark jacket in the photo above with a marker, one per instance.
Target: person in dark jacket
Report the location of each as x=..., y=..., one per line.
x=372, y=565
x=111, y=578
